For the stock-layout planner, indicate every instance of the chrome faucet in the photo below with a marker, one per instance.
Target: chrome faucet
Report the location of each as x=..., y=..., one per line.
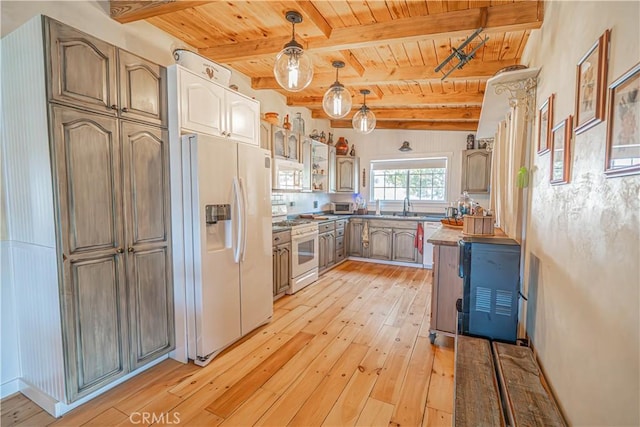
x=406, y=204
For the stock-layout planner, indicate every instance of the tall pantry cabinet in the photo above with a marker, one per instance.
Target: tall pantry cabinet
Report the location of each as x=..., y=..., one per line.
x=87, y=171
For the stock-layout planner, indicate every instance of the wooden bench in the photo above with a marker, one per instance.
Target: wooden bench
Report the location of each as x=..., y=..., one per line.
x=526, y=399
x=476, y=394
x=515, y=384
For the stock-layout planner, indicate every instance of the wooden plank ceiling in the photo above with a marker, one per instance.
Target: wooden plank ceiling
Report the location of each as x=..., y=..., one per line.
x=390, y=47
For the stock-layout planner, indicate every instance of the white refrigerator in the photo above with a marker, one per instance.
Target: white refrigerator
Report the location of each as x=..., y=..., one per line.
x=227, y=228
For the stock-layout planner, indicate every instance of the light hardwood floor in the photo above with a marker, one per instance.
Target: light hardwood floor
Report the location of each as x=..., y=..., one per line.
x=351, y=349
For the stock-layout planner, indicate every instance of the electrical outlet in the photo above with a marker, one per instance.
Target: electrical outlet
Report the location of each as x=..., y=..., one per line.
x=315, y=204
x=292, y=204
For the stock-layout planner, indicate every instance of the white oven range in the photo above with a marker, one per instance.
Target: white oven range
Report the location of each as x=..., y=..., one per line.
x=304, y=252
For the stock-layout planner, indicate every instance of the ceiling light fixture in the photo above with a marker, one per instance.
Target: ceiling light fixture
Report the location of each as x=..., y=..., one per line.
x=364, y=121
x=337, y=100
x=293, y=69
x=405, y=146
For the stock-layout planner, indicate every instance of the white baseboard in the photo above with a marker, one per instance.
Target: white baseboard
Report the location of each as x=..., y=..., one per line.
x=57, y=409
x=382, y=261
x=9, y=388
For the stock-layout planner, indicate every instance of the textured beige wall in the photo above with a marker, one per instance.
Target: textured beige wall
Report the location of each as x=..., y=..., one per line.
x=583, y=256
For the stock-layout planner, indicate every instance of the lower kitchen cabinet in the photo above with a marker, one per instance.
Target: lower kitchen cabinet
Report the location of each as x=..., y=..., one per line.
x=355, y=237
x=326, y=245
x=281, y=257
x=447, y=289
x=380, y=243
x=341, y=230
x=404, y=246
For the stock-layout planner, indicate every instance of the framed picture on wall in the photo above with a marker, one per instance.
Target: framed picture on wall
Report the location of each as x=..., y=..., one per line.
x=545, y=120
x=623, y=127
x=561, y=151
x=591, y=85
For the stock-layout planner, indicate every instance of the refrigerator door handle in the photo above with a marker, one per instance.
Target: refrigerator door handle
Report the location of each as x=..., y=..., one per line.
x=238, y=209
x=243, y=219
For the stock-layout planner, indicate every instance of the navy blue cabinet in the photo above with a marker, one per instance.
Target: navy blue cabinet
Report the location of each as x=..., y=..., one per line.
x=491, y=284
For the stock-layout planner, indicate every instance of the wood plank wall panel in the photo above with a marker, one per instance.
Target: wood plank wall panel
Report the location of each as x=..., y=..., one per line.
x=25, y=141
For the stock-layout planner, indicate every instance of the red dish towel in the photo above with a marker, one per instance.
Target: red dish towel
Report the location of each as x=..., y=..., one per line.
x=419, y=242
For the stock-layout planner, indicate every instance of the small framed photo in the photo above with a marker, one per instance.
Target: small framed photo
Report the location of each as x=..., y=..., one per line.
x=623, y=127
x=591, y=85
x=545, y=120
x=561, y=151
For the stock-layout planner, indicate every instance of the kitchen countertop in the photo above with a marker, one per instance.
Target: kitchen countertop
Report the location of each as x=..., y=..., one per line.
x=447, y=236
x=331, y=217
x=426, y=217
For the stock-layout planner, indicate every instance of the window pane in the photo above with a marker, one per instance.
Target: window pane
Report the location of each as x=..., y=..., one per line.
x=389, y=194
x=417, y=183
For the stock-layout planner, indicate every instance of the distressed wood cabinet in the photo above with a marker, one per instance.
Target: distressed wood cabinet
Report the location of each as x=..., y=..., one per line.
x=380, y=243
x=476, y=171
x=90, y=171
x=355, y=237
x=93, y=75
x=346, y=174
x=285, y=144
x=404, y=247
x=281, y=262
x=447, y=289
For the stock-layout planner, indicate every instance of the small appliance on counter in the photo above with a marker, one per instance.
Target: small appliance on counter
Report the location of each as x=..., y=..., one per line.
x=343, y=208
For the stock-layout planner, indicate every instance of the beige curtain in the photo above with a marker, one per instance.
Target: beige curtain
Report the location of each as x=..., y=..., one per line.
x=508, y=157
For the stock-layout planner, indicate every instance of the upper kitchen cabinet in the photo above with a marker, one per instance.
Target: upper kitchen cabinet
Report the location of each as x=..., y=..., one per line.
x=319, y=167
x=91, y=74
x=476, y=171
x=346, y=174
x=83, y=69
x=143, y=89
x=286, y=144
x=243, y=117
x=206, y=107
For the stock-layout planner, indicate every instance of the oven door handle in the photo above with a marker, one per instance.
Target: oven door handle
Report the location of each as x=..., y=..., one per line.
x=304, y=236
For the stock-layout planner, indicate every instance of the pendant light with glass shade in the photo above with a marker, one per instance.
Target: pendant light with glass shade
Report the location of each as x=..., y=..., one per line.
x=293, y=68
x=364, y=121
x=337, y=100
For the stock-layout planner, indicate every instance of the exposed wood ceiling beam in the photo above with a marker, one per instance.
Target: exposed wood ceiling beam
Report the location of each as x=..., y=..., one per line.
x=507, y=17
x=353, y=62
x=430, y=114
x=433, y=99
x=130, y=11
x=310, y=13
x=473, y=70
x=412, y=125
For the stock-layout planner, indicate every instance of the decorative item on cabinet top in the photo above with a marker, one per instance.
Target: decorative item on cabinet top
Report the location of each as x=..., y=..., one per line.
x=203, y=66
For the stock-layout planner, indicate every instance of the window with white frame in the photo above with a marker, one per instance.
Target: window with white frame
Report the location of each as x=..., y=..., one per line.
x=417, y=179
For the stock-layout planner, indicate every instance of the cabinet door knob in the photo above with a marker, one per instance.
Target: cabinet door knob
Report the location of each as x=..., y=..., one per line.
x=114, y=107
x=125, y=110
x=223, y=133
x=130, y=249
x=276, y=239
x=119, y=250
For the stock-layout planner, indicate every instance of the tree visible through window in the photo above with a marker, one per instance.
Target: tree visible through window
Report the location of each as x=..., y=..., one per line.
x=426, y=184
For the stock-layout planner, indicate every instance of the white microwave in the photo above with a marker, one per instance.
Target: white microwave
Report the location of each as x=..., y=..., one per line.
x=287, y=175
x=343, y=208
